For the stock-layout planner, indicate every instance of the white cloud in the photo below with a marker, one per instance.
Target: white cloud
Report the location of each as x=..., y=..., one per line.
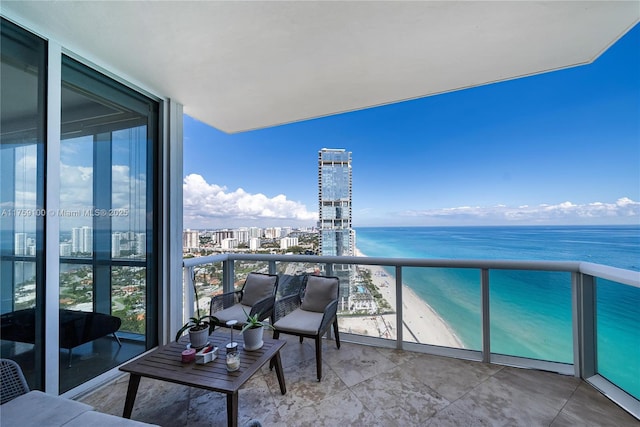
x=622, y=211
x=209, y=205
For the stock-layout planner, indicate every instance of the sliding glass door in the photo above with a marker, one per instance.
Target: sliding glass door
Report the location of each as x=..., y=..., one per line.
x=107, y=216
x=107, y=261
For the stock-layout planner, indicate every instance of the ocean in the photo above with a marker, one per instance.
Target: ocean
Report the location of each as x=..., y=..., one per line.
x=530, y=311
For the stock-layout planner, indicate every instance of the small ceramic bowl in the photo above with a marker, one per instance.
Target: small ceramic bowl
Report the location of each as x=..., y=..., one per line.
x=206, y=355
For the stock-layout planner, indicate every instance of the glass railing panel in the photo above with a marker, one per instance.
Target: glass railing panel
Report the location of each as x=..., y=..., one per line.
x=369, y=307
x=441, y=306
x=618, y=336
x=531, y=314
x=242, y=268
x=208, y=282
x=290, y=276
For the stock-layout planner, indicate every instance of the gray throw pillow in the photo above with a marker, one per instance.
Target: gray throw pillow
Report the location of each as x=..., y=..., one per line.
x=258, y=286
x=320, y=291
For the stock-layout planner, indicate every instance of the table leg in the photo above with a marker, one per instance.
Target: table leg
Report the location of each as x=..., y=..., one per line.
x=132, y=390
x=276, y=360
x=232, y=409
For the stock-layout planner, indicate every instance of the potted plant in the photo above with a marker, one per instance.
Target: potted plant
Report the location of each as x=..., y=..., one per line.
x=200, y=327
x=252, y=332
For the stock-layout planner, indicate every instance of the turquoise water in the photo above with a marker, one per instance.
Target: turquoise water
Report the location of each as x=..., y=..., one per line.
x=530, y=311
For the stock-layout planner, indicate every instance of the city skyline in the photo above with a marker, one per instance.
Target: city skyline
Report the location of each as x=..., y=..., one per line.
x=559, y=148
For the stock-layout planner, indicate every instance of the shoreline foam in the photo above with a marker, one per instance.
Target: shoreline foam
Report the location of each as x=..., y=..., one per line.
x=421, y=323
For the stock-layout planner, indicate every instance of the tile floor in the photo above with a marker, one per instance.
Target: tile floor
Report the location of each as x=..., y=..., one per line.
x=370, y=386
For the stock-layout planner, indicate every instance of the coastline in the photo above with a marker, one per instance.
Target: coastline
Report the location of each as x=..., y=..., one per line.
x=421, y=323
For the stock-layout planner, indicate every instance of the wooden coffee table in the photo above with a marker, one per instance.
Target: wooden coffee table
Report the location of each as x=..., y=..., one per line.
x=165, y=364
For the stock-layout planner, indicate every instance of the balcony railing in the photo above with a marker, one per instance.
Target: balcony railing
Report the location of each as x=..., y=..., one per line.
x=588, y=343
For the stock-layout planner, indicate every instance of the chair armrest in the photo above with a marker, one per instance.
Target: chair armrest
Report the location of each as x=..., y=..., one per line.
x=329, y=314
x=284, y=306
x=222, y=301
x=263, y=307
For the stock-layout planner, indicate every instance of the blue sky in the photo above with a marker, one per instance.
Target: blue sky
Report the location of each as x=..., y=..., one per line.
x=556, y=148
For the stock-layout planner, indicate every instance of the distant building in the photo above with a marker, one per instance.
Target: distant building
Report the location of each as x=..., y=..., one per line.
x=229, y=243
x=115, y=244
x=190, y=240
x=334, y=196
x=220, y=235
x=336, y=236
x=255, y=232
x=82, y=239
x=242, y=234
x=65, y=249
x=141, y=243
x=254, y=243
x=20, y=243
x=287, y=242
x=284, y=232
x=273, y=233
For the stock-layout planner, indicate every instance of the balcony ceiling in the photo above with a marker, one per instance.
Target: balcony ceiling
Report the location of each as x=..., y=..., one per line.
x=247, y=65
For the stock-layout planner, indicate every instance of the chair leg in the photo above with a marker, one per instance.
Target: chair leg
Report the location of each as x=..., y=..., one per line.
x=319, y=356
x=276, y=335
x=335, y=332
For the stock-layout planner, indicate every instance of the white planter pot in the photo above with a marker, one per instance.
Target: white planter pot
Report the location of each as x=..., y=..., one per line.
x=253, y=338
x=199, y=339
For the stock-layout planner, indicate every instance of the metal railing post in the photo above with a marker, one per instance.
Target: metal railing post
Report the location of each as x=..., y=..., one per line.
x=228, y=275
x=399, y=315
x=486, y=318
x=329, y=269
x=585, y=353
x=187, y=308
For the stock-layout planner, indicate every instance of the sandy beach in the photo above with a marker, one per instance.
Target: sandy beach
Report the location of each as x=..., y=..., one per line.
x=421, y=323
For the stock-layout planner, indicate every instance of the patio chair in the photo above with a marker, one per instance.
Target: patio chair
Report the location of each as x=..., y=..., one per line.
x=12, y=381
x=257, y=296
x=309, y=313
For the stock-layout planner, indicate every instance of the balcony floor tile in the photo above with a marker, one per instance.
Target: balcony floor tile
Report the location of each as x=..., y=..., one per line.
x=371, y=386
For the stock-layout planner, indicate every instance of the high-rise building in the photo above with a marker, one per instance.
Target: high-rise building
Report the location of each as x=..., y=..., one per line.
x=254, y=243
x=65, y=249
x=229, y=243
x=220, y=235
x=336, y=237
x=20, y=243
x=190, y=240
x=82, y=239
x=115, y=244
x=334, y=200
x=242, y=234
x=141, y=241
x=287, y=242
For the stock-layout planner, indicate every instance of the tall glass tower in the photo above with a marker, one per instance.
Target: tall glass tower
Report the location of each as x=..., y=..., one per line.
x=334, y=199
